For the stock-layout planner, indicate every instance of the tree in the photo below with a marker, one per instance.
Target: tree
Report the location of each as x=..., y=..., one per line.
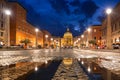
x=82, y=45
x=26, y=42
x=45, y=45
x=93, y=42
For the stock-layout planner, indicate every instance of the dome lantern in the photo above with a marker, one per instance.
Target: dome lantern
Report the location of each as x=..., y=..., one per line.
x=68, y=34
x=68, y=29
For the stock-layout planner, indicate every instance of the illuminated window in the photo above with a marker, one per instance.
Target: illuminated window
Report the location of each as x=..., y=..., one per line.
x=94, y=30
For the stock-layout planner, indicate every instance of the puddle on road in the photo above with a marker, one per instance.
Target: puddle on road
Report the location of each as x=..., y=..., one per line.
x=48, y=69
x=95, y=71
x=45, y=72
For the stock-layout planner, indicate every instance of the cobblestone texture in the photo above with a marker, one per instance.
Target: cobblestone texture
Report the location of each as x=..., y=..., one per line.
x=71, y=72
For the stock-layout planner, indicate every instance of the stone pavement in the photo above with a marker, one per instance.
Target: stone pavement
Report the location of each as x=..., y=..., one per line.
x=70, y=72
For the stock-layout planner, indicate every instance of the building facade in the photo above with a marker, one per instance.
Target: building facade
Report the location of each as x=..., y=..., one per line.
x=91, y=37
x=115, y=27
x=115, y=24
x=96, y=34
x=4, y=23
x=19, y=28
x=46, y=39
x=56, y=42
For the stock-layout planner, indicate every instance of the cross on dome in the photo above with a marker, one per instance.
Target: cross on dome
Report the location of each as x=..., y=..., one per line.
x=68, y=29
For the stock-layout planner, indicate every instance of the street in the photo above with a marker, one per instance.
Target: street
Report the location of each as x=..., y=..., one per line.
x=107, y=60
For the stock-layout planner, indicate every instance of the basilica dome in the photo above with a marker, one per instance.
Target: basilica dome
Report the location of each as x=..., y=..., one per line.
x=67, y=40
x=68, y=34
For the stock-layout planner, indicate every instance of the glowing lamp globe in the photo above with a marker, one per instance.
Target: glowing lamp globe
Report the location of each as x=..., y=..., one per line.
x=7, y=12
x=108, y=11
x=36, y=30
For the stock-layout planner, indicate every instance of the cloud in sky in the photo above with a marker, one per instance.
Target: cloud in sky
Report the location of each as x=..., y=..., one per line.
x=56, y=15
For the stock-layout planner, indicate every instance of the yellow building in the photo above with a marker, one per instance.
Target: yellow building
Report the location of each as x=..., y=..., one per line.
x=67, y=39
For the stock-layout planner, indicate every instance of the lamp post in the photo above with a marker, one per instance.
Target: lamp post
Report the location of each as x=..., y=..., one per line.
x=36, y=30
x=78, y=42
x=8, y=13
x=82, y=36
x=88, y=38
x=46, y=36
x=109, y=43
x=51, y=41
x=79, y=39
x=88, y=29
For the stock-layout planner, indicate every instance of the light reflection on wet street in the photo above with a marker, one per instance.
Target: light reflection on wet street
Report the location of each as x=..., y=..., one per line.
x=97, y=65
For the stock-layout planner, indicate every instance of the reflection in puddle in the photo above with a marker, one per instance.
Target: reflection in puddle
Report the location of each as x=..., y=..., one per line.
x=96, y=72
x=90, y=68
x=44, y=72
x=36, y=68
x=68, y=69
x=67, y=61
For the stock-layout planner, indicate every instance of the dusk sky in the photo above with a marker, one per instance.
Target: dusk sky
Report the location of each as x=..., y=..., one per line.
x=57, y=15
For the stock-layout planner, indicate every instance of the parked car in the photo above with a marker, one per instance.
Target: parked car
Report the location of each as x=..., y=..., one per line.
x=116, y=46
x=1, y=46
x=102, y=46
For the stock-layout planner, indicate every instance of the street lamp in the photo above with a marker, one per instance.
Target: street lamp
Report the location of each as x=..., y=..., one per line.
x=109, y=42
x=82, y=36
x=82, y=39
x=79, y=39
x=8, y=13
x=109, y=11
x=51, y=39
x=88, y=38
x=36, y=30
x=88, y=29
x=46, y=36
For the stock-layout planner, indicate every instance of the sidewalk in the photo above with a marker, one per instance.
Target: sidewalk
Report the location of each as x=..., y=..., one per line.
x=107, y=50
x=104, y=50
x=17, y=49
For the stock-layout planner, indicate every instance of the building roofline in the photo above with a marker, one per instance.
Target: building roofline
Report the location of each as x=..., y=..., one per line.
x=96, y=25
x=118, y=4
x=16, y=1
